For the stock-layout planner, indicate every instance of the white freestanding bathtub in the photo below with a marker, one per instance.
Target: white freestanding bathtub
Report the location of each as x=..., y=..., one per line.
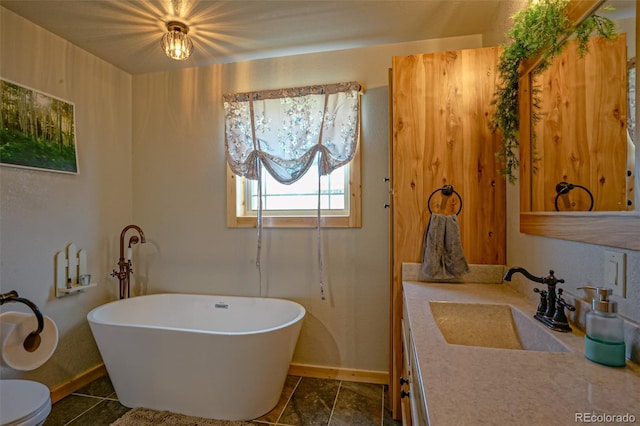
x=219, y=357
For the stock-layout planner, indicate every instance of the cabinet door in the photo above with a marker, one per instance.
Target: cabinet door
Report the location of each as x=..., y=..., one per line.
x=418, y=408
x=406, y=379
x=441, y=107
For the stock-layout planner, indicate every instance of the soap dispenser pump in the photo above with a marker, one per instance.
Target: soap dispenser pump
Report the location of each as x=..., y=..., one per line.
x=604, y=342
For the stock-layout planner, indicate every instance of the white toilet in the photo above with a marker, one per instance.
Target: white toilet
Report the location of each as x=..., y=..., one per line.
x=23, y=403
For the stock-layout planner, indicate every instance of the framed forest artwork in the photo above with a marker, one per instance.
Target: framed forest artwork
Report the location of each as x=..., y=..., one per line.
x=37, y=131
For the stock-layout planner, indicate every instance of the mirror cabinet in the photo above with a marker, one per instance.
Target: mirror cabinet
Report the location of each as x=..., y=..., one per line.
x=548, y=205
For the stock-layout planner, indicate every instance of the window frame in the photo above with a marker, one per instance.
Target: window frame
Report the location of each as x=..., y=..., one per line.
x=352, y=220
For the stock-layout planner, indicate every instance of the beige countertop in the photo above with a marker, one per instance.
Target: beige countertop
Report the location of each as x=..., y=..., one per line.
x=465, y=385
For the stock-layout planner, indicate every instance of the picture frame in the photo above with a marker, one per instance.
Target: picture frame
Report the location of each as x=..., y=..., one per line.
x=37, y=130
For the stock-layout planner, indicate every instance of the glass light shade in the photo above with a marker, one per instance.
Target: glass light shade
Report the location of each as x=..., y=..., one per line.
x=176, y=43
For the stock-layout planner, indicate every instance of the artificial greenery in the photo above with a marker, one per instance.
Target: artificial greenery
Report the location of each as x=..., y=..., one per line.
x=539, y=29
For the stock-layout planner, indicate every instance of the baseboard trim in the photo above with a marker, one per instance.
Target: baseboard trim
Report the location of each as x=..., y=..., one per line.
x=304, y=370
x=353, y=375
x=77, y=382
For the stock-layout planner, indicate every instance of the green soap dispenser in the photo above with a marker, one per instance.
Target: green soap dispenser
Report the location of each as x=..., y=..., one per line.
x=604, y=342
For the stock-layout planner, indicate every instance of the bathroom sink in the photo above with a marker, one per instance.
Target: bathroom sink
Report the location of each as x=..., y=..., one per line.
x=488, y=325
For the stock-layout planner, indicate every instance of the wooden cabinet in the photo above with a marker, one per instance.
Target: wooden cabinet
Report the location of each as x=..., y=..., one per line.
x=414, y=412
x=440, y=134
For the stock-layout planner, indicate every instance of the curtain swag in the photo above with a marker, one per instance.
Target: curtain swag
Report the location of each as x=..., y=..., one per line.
x=284, y=129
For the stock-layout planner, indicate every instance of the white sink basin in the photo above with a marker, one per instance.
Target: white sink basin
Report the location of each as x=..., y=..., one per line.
x=487, y=325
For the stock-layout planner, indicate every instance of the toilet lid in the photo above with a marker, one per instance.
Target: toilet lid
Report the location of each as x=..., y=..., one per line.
x=22, y=399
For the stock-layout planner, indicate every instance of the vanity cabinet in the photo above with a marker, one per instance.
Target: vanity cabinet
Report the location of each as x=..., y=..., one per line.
x=440, y=113
x=414, y=412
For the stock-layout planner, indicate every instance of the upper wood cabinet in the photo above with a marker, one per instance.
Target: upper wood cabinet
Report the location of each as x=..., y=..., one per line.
x=441, y=108
x=441, y=113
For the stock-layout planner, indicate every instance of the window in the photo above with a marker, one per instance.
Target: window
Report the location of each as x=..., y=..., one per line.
x=285, y=139
x=301, y=197
x=293, y=136
x=295, y=205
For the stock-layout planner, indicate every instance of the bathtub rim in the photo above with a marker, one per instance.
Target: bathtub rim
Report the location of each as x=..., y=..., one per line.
x=299, y=317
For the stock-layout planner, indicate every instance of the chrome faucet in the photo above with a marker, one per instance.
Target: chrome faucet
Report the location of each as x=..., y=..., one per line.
x=124, y=265
x=551, y=307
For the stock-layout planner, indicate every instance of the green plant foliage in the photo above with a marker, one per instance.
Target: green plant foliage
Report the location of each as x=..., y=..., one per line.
x=539, y=29
x=19, y=149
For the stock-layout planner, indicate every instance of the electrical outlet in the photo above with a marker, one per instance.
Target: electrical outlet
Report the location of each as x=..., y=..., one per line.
x=615, y=272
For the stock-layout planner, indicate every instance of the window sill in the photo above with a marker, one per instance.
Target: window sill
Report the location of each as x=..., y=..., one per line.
x=295, y=222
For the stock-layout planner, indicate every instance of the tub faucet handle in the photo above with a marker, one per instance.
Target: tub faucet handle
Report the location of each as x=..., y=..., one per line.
x=117, y=274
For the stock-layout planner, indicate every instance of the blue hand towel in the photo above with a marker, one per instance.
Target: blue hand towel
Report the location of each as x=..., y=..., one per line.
x=442, y=254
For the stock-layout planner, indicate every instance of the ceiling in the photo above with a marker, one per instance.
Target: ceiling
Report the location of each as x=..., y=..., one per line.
x=126, y=33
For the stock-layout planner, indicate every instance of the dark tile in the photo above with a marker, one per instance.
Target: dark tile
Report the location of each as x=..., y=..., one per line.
x=68, y=408
x=304, y=401
x=289, y=386
x=103, y=414
x=388, y=419
x=358, y=404
x=101, y=387
x=311, y=402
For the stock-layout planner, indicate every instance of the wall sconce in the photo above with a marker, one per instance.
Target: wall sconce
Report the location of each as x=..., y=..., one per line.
x=176, y=44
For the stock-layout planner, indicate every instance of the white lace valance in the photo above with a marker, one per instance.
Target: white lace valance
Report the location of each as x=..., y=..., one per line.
x=284, y=129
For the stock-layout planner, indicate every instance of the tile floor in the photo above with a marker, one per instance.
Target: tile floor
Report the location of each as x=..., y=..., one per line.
x=305, y=402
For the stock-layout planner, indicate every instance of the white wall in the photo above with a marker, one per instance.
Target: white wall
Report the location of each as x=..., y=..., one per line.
x=180, y=201
x=42, y=212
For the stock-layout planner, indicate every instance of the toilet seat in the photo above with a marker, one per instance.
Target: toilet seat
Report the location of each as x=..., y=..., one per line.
x=23, y=403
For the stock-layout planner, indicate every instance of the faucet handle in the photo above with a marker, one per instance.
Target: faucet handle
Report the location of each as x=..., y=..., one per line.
x=559, y=321
x=542, y=306
x=562, y=303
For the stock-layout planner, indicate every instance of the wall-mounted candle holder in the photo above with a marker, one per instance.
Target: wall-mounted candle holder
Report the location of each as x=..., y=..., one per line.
x=71, y=271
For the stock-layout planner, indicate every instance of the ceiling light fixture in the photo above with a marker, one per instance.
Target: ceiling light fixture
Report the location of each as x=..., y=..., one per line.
x=176, y=44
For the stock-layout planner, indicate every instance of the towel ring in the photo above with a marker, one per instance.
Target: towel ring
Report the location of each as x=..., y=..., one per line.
x=447, y=190
x=564, y=188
